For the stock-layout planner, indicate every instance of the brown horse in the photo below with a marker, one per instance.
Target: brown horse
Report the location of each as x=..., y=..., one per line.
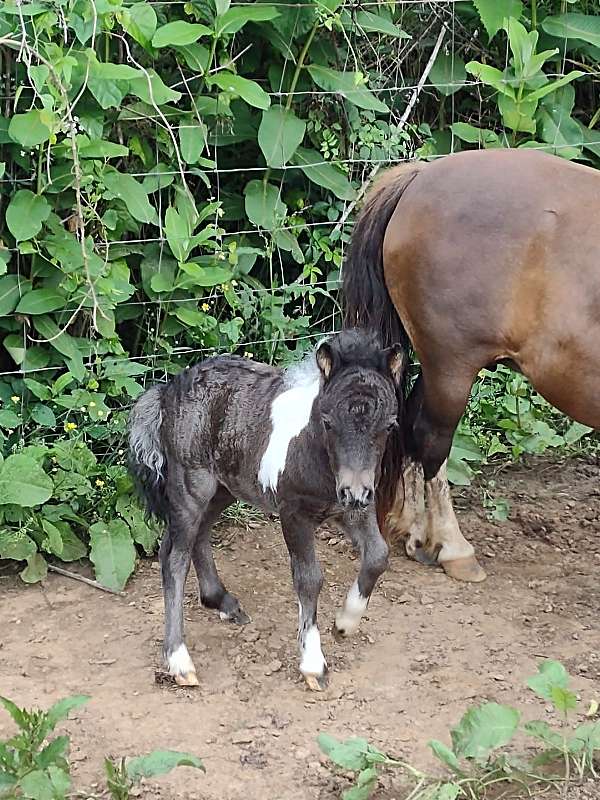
x=477, y=258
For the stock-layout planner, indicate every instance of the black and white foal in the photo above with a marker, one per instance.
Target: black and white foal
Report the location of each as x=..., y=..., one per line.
x=306, y=442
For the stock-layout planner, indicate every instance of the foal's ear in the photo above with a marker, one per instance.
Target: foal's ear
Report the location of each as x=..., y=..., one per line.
x=324, y=356
x=395, y=360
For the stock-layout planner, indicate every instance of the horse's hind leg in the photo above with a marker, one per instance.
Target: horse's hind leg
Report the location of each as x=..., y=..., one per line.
x=213, y=593
x=441, y=405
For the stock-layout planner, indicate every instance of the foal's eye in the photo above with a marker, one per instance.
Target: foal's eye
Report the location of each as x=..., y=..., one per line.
x=392, y=424
x=326, y=424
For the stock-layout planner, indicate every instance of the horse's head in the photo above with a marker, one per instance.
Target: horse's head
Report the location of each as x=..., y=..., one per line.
x=358, y=408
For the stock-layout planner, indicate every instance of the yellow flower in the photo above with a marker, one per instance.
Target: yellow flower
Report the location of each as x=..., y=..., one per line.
x=205, y=307
x=70, y=426
x=99, y=483
x=248, y=355
x=100, y=413
x=15, y=398
x=92, y=404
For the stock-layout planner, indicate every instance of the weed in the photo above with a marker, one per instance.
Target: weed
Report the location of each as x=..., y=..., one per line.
x=477, y=764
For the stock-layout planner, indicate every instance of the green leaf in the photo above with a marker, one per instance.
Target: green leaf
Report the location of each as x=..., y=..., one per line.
x=550, y=674
x=112, y=552
x=36, y=569
x=139, y=20
x=233, y=20
x=377, y=23
x=110, y=71
x=263, y=205
x=518, y=116
x=54, y=543
x=32, y=128
x=40, y=301
x=554, y=85
x=585, y=27
x=347, y=84
x=563, y=699
x=279, y=135
x=8, y=419
x=445, y=755
x=73, y=547
x=152, y=90
x=37, y=786
x=178, y=233
x=15, y=712
x=62, y=708
x=159, y=762
x=483, y=729
x=493, y=13
x=26, y=213
x=100, y=148
x=349, y=754
x=11, y=288
x=179, y=33
x=473, y=135
x=541, y=730
x=16, y=545
x=365, y=784
x=250, y=91
x=576, y=432
x=23, y=482
x=448, y=73
x=491, y=77
x=132, y=193
x=60, y=340
x=560, y=130
x=205, y=276
x=323, y=174
x=192, y=140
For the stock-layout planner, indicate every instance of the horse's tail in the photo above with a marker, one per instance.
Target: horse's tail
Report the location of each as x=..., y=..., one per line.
x=147, y=460
x=368, y=304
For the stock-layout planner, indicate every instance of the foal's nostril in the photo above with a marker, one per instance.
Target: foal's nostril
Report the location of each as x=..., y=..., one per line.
x=368, y=497
x=344, y=495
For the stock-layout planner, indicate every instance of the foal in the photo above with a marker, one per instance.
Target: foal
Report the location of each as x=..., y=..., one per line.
x=307, y=443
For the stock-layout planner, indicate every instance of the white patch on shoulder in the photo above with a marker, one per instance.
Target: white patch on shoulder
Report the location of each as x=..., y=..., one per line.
x=290, y=414
x=348, y=618
x=180, y=661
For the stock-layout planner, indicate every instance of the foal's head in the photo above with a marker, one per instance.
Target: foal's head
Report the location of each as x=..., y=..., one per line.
x=359, y=407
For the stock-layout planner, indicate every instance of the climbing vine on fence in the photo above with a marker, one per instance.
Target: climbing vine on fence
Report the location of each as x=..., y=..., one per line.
x=180, y=178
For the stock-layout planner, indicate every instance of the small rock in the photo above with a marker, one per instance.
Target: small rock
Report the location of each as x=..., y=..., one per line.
x=426, y=600
x=242, y=737
x=498, y=677
x=273, y=666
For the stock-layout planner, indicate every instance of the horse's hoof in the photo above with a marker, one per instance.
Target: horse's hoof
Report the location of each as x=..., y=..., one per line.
x=423, y=557
x=464, y=569
x=187, y=679
x=238, y=617
x=317, y=683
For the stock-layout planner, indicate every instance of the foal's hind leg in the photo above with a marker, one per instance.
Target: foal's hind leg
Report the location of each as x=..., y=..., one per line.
x=366, y=537
x=442, y=402
x=213, y=593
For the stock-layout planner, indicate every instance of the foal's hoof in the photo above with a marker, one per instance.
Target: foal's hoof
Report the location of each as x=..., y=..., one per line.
x=317, y=683
x=187, y=679
x=464, y=569
x=238, y=616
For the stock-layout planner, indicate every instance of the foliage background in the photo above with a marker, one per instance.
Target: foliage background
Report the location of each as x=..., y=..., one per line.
x=179, y=178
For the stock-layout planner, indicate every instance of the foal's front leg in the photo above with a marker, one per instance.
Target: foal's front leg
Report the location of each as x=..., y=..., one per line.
x=308, y=580
x=366, y=537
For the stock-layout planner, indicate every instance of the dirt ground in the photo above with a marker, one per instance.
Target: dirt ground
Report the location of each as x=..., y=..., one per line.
x=429, y=648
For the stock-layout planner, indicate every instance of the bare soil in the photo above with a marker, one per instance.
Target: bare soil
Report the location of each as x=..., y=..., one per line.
x=429, y=648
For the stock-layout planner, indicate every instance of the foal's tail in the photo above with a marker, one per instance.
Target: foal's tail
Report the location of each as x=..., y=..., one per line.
x=369, y=306
x=147, y=460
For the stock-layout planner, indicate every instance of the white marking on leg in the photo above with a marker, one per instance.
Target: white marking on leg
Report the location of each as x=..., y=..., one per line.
x=349, y=616
x=290, y=414
x=312, y=660
x=180, y=662
x=443, y=531
x=407, y=516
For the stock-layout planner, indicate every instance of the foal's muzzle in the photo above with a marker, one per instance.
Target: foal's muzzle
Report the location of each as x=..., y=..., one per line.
x=355, y=489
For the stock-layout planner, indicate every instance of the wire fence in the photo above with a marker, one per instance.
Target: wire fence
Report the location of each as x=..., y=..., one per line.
x=394, y=80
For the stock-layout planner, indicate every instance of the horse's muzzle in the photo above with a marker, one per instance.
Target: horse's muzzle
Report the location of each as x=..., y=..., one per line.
x=355, y=497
